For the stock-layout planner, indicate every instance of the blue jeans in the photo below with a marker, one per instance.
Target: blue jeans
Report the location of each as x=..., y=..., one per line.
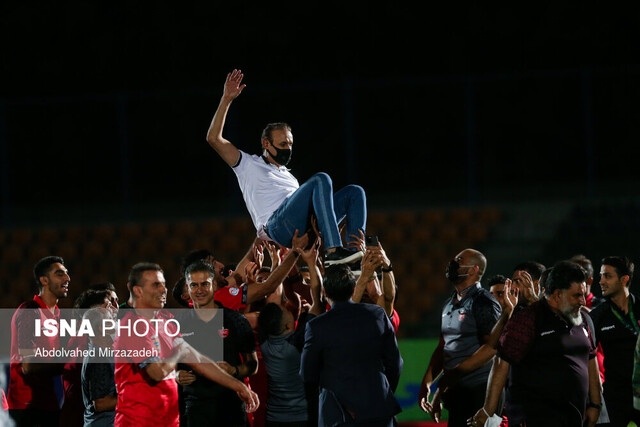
x=316, y=196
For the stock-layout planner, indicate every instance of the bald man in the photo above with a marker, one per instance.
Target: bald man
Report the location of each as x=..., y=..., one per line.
x=463, y=355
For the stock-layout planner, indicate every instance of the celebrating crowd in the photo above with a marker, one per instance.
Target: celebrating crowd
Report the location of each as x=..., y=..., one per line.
x=302, y=330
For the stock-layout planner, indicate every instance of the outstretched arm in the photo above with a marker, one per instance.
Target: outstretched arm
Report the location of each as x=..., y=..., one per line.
x=226, y=150
x=256, y=291
x=209, y=369
x=386, y=300
x=310, y=256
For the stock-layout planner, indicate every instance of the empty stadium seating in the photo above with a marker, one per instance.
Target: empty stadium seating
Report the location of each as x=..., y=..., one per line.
x=419, y=242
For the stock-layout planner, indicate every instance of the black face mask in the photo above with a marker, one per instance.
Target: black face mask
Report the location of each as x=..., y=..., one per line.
x=283, y=155
x=452, y=272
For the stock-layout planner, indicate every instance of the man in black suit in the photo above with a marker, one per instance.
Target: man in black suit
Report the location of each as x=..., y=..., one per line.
x=352, y=354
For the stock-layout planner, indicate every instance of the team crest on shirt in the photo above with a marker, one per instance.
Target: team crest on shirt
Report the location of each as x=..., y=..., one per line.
x=223, y=333
x=234, y=291
x=461, y=315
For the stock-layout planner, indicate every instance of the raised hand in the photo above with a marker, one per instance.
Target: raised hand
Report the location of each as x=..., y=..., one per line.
x=370, y=262
x=274, y=253
x=250, y=272
x=258, y=254
x=311, y=255
x=233, y=86
x=386, y=263
x=525, y=282
x=298, y=243
x=511, y=293
x=357, y=242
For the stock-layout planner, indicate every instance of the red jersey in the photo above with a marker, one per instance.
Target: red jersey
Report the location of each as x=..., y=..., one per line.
x=142, y=401
x=232, y=298
x=72, y=411
x=32, y=391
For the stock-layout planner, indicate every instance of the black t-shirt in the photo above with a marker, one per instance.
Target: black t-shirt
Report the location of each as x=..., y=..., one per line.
x=235, y=337
x=549, y=358
x=618, y=341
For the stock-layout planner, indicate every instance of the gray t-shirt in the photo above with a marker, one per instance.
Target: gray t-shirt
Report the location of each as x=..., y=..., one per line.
x=98, y=380
x=286, y=401
x=464, y=323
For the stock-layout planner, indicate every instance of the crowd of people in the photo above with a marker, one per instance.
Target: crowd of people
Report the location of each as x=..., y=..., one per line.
x=261, y=315
x=302, y=330
x=205, y=371
x=538, y=349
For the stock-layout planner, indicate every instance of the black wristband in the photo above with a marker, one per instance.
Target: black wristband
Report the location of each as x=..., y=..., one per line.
x=387, y=270
x=597, y=406
x=236, y=374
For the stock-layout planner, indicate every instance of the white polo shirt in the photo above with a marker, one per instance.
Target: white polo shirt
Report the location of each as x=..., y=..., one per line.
x=264, y=187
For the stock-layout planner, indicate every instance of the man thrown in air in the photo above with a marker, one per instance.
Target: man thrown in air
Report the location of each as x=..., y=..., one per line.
x=278, y=205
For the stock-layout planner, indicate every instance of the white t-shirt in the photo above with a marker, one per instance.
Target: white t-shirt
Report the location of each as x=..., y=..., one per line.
x=264, y=187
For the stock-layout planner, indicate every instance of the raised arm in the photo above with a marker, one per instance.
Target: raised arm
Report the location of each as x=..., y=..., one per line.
x=226, y=150
x=255, y=291
x=310, y=256
x=386, y=300
x=369, y=263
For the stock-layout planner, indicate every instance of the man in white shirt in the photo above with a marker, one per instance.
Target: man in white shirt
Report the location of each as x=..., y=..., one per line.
x=278, y=205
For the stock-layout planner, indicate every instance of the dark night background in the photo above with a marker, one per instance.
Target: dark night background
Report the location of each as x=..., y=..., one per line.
x=105, y=105
x=438, y=109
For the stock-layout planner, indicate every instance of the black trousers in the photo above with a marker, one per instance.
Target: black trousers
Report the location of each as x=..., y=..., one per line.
x=620, y=409
x=463, y=403
x=34, y=417
x=204, y=413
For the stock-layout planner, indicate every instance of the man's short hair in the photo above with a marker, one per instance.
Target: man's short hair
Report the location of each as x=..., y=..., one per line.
x=200, y=266
x=90, y=298
x=563, y=275
x=194, y=256
x=178, y=290
x=534, y=269
x=339, y=282
x=269, y=321
x=43, y=267
x=138, y=270
x=268, y=130
x=585, y=263
x=498, y=279
x=544, y=276
x=622, y=265
x=106, y=286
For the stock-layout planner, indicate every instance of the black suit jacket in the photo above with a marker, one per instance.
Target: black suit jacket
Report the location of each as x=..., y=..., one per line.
x=351, y=352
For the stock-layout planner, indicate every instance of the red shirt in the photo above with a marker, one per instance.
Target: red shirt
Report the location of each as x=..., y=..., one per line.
x=142, y=401
x=33, y=391
x=232, y=298
x=72, y=412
